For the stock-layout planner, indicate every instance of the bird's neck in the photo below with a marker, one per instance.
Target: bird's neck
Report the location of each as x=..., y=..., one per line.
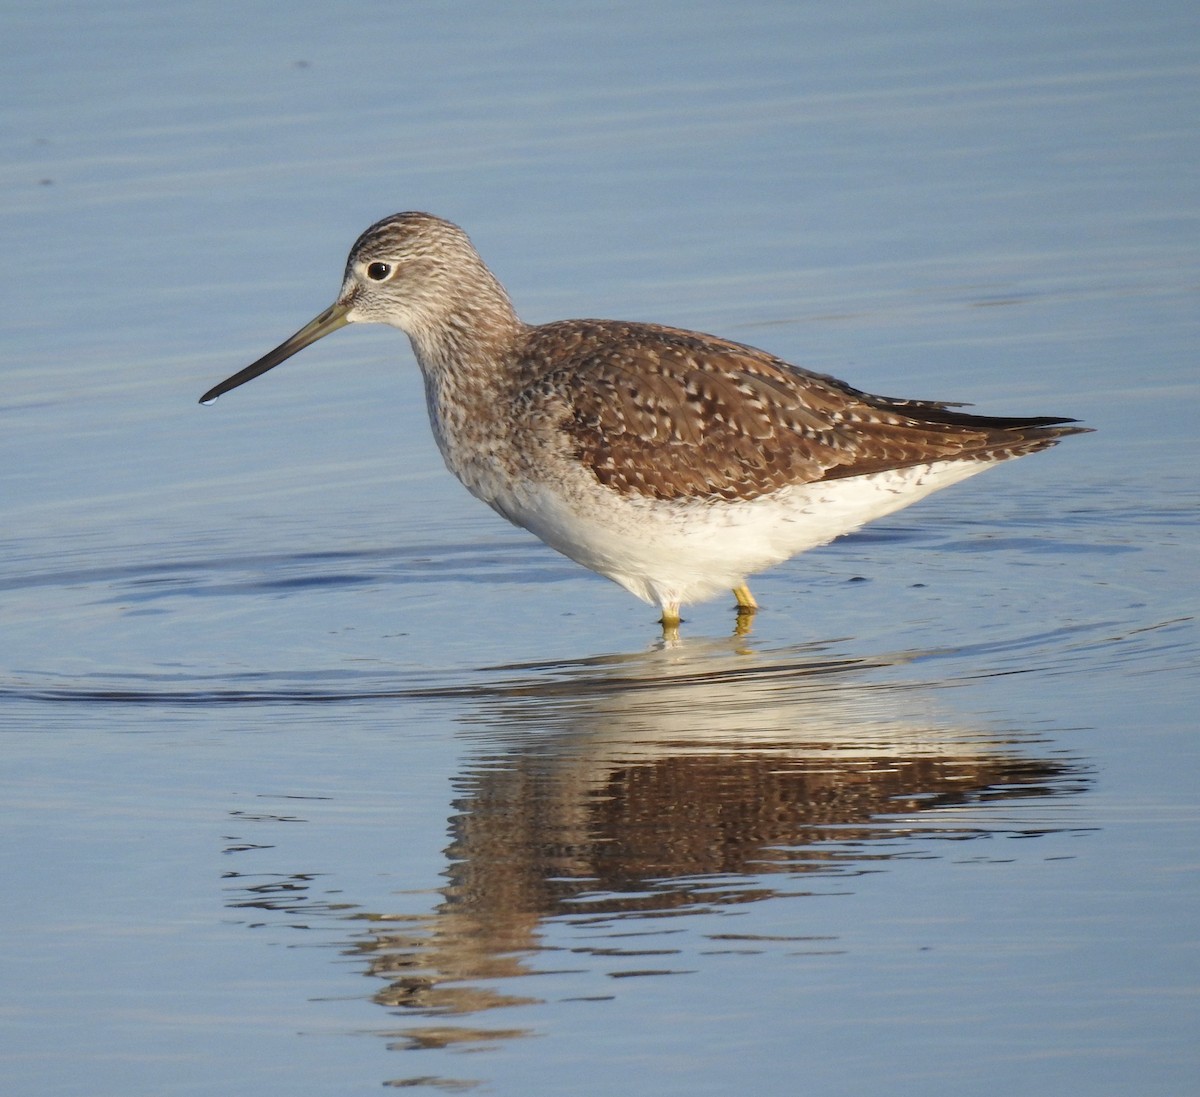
x=472, y=335
x=467, y=358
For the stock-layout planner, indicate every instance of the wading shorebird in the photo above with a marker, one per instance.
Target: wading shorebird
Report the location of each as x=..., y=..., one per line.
x=672, y=462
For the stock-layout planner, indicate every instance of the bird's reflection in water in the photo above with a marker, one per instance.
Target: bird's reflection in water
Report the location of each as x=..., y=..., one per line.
x=678, y=782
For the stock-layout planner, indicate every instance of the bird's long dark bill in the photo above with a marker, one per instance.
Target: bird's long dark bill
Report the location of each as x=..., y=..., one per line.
x=331, y=319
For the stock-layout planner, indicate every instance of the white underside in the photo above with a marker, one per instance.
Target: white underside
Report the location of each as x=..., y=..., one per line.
x=672, y=553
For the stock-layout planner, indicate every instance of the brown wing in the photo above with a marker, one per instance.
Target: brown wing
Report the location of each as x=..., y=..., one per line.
x=671, y=414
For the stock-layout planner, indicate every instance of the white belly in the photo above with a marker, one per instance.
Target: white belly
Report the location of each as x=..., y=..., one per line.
x=675, y=552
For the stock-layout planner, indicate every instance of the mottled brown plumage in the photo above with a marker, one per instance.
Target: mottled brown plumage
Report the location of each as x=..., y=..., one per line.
x=670, y=461
x=674, y=414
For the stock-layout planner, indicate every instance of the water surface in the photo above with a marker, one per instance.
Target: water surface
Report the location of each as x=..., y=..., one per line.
x=317, y=778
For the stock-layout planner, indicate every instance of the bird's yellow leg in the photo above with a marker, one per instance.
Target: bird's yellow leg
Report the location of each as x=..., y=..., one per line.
x=670, y=620
x=745, y=600
x=747, y=608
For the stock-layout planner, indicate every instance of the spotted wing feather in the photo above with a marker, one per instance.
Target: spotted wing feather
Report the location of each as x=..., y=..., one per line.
x=672, y=414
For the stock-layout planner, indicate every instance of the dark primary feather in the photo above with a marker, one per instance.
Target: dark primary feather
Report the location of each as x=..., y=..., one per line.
x=673, y=414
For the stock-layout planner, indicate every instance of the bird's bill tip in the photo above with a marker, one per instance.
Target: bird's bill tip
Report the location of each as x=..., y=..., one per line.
x=334, y=317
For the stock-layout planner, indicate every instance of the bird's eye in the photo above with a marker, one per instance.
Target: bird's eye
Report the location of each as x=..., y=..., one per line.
x=379, y=272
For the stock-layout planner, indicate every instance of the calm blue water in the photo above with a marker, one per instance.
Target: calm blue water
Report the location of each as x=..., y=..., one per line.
x=317, y=778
